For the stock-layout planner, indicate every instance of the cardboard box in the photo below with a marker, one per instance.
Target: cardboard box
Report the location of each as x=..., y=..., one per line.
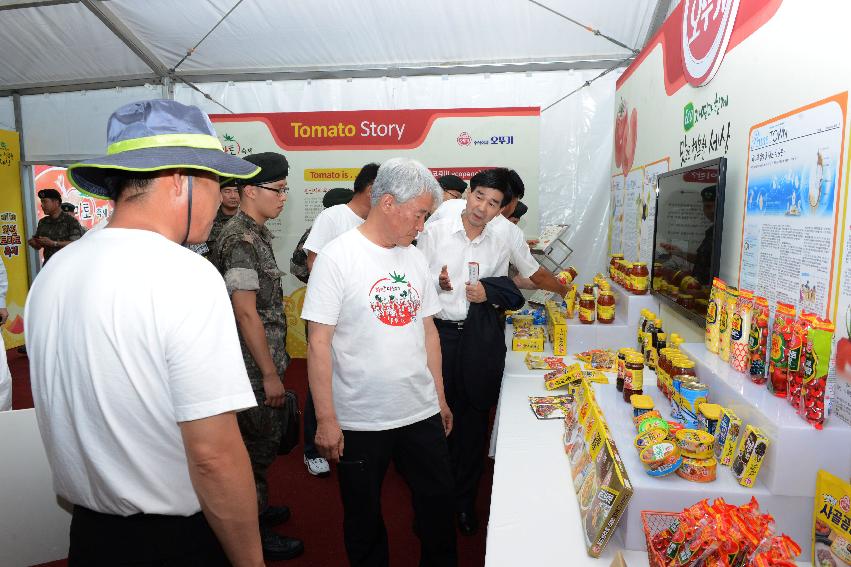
x=600, y=479
x=557, y=328
x=531, y=339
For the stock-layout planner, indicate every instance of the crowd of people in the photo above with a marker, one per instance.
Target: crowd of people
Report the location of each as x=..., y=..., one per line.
x=160, y=406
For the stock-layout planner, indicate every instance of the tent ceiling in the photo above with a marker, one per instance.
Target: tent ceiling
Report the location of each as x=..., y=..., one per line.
x=70, y=44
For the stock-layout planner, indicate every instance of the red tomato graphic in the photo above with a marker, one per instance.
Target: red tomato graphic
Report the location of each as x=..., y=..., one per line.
x=394, y=301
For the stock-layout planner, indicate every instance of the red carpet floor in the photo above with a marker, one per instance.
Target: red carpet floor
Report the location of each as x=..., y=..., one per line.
x=317, y=513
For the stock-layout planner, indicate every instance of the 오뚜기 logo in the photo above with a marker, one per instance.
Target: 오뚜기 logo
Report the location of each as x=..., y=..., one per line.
x=707, y=25
x=464, y=139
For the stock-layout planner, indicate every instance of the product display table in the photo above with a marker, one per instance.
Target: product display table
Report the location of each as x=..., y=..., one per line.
x=534, y=514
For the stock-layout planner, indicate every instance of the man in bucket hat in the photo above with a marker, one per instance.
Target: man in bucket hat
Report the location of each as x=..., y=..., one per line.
x=136, y=393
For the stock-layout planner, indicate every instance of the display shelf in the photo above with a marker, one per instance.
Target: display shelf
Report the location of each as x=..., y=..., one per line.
x=797, y=450
x=672, y=493
x=629, y=306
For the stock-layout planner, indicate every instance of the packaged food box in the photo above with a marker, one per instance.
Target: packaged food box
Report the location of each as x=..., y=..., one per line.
x=570, y=377
x=831, y=521
x=752, y=450
x=557, y=328
x=528, y=339
x=726, y=437
x=601, y=483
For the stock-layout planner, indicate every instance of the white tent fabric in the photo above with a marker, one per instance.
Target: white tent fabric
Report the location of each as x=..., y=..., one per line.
x=64, y=42
x=7, y=113
x=576, y=135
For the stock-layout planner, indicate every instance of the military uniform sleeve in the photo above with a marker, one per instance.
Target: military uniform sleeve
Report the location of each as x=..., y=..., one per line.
x=239, y=266
x=40, y=228
x=75, y=229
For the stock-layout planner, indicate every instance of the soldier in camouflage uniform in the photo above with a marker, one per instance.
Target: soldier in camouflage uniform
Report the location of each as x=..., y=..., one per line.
x=298, y=263
x=56, y=230
x=243, y=254
x=229, y=208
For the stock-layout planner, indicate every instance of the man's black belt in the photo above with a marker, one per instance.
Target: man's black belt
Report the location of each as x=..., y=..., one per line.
x=459, y=325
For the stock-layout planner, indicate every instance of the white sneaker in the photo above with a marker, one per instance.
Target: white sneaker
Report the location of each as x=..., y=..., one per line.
x=317, y=467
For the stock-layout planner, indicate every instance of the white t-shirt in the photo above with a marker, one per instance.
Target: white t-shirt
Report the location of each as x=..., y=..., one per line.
x=445, y=243
x=331, y=223
x=511, y=235
x=377, y=298
x=128, y=334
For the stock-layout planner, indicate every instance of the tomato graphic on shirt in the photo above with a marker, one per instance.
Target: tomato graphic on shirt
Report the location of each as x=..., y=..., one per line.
x=394, y=300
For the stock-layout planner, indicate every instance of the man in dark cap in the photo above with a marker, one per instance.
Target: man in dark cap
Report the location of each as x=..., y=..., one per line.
x=520, y=210
x=453, y=186
x=701, y=258
x=136, y=395
x=229, y=208
x=55, y=230
x=244, y=256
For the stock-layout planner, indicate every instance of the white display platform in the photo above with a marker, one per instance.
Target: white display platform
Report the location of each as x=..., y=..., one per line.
x=793, y=514
x=534, y=514
x=797, y=450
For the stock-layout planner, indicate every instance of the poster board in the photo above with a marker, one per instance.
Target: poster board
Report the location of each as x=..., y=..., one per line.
x=791, y=211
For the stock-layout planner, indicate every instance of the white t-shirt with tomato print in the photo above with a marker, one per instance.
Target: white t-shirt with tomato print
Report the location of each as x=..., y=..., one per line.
x=377, y=299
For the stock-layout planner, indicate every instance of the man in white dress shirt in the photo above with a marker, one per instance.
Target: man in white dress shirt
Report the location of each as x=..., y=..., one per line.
x=450, y=244
x=512, y=237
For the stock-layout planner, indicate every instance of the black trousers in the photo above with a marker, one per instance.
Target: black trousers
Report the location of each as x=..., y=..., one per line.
x=421, y=456
x=469, y=437
x=142, y=540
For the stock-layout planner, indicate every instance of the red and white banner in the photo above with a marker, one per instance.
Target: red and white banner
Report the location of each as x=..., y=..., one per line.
x=327, y=149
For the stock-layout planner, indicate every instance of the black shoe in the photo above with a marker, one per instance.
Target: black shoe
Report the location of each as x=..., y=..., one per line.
x=274, y=515
x=468, y=523
x=277, y=547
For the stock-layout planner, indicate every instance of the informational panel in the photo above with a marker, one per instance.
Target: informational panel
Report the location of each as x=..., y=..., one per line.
x=792, y=201
x=327, y=150
x=633, y=211
x=12, y=234
x=616, y=219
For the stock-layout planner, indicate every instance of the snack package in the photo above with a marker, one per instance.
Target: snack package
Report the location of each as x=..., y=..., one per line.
x=814, y=402
x=729, y=307
x=726, y=437
x=752, y=451
x=778, y=355
x=831, y=522
x=550, y=407
x=713, y=312
x=795, y=367
x=740, y=325
x=722, y=535
x=758, y=340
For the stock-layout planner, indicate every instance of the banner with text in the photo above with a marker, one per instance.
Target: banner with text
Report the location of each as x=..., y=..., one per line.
x=327, y=149
x=12, y=233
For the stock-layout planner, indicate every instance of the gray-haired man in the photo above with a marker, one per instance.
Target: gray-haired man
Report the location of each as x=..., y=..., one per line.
x=370, y=301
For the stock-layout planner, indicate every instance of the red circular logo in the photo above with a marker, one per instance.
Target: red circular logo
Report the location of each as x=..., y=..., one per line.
x=707, y=25
x=464, y=139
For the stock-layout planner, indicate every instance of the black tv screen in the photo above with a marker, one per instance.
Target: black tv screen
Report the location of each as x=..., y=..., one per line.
x=687, y=243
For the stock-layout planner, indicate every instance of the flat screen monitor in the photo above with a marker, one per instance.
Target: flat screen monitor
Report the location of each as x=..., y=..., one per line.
x=687, y=242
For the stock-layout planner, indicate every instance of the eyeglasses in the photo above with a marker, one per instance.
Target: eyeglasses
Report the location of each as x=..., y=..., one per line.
x=279, y=191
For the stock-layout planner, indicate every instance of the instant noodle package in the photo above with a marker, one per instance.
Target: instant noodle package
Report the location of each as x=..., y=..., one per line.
x=831, y=522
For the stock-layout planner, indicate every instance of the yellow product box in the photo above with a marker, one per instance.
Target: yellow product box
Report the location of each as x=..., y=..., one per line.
x=727, y=437
x=522, y=321
x=752, y=450
x=531, y=339
x=557, y=328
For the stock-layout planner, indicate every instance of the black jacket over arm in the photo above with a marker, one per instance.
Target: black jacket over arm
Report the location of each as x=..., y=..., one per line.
x=483, y=342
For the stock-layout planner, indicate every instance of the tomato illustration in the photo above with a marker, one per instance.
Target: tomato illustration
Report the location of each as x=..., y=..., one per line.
x=630, y=142
x=843, y=350
x=16, y=325
x=621, y=125
x=394, y=301
x=230, y=145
